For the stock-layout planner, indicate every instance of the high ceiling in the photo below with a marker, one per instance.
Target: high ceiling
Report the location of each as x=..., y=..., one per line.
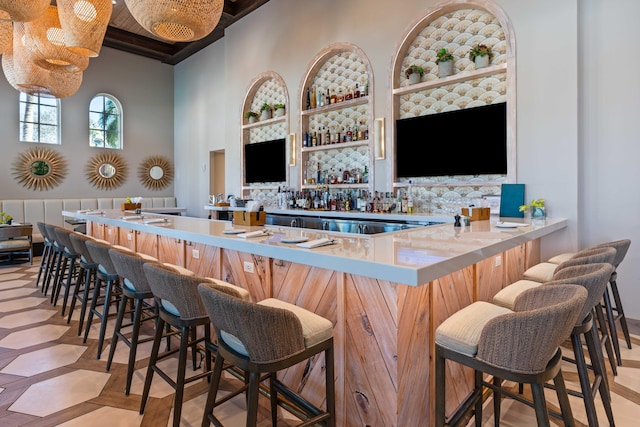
x=124, y=33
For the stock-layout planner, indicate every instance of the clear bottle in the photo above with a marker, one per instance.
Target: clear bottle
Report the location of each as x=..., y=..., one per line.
x=327, y=137
x=365, y=175
x=348, y=135
x=410, y=199
x=319, y=99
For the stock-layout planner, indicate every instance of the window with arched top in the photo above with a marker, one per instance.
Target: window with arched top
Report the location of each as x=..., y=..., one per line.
x=39, y=119
x=105, y=122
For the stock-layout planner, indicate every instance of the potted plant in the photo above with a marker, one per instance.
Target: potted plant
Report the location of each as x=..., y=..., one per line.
x=481, y=55
x=251, y=116
x=280, y=109
x=445, y=62
x=414, y=73
x=536, y=209
x=265, y=111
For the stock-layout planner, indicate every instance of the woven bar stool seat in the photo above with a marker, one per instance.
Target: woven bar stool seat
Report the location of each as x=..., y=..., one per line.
x=520, y=345
x=543, y=272
x=265, y=338
x=86, y=278
x=180, y=307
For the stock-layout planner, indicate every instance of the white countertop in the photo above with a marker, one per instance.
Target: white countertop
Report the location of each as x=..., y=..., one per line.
x=412, y=257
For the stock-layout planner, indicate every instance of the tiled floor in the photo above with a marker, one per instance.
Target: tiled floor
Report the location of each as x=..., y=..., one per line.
x=48, y=377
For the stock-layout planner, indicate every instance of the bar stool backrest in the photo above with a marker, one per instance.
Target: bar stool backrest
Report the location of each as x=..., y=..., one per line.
x=51, y=233
x=63, y=238
x=594, y=277
x=100, y=254
x=178, y=289
x=79, y=245
x=589, y=256
x=43, y=230
x=269, y=334
x=621, y=247
x=129, y=266
x=524, y=341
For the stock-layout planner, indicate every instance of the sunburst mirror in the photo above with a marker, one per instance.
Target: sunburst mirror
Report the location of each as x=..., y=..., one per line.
x=106, y=171
x=39, y=169
x=156, y=172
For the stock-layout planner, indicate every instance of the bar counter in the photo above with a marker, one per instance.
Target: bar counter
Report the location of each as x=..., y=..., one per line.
x=386, y=294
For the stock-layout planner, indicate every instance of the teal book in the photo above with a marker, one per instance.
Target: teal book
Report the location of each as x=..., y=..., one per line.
x=511, y=198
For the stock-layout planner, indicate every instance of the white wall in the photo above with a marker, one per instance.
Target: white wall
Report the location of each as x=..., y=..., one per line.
x=143, y=86
x=609, y=148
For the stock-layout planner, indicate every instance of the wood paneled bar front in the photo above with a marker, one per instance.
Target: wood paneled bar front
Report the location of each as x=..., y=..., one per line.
x=385, y=294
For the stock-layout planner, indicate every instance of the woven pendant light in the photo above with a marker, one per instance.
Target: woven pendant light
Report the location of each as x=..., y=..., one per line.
x=44, y=39
x=177, y=20
x=6, y=32
x=27, y=77
x=84, y=23
x=24, y=10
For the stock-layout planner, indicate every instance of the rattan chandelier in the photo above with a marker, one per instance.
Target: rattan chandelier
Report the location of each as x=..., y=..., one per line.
x=6, y=32
x=46, y=46
x=85, y=24
x=24, y=10
x=177, y=20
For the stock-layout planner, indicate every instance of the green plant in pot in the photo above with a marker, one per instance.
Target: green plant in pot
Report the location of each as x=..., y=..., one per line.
x=481, y=55
x=251, y=116
x=414, y=73
x=445, y=62
x=265, y=111
x=536, y=208
x=280, y=109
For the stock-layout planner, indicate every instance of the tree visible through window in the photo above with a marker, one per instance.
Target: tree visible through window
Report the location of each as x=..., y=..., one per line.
x=39, y=119
x=105, y=122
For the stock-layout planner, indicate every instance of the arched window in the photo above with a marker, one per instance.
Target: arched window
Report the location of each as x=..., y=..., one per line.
x=39, y=119
x=105, y=122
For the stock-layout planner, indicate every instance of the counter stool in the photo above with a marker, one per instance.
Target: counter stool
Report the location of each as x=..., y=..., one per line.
x=520, y=345
x=134, y=288
x=543, y=272
x=107, y=278
x=86, y=278
x=56, y=258
x=70, y=265
x=180, y=307
x=47, y=251
x=266, y=337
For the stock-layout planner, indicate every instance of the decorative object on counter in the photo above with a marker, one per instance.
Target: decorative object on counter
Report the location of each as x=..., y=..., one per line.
x=39, y=169
x=414, y=73
x=265, y=111
x=445, y=63
x=131, y=204
x=249, y=218
x=476, y=214
x=155, y=172
x=280, y=109
x=457, y=221
x=5, y=218
x=536, y=209
x=481, y=55
x=106, y=171
x=251, y=116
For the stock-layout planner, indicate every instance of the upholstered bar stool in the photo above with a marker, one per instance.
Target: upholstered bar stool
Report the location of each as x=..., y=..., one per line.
x=56, y=258
x=134, y=288
x=266, y=337
x=520, y=345
x=181, y=307
x=106, y=277
x=70, y=265
x=86, y=278
x=47, y=251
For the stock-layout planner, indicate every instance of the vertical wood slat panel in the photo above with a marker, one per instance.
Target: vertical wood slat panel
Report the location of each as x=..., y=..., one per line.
x=208, y=263
x=127, y=238
x=146, y=243
x=171, y=250
x=489, y=278
x=514, y=264
x=256, y=283
x=111, y=234
x=532, y=251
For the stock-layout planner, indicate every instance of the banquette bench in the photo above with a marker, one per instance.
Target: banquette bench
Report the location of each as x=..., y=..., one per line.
x=50, y=210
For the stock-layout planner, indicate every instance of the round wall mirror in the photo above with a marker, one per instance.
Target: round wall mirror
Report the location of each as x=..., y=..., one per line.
x=106, y=171
x=39, y=169
x=155, y=172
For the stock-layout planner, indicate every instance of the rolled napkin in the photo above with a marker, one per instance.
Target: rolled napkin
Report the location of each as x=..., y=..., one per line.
x=506, y=224
x=316, y=243
x=89, y=212
x=153, y=220
x=130, y=217
x=258, y=233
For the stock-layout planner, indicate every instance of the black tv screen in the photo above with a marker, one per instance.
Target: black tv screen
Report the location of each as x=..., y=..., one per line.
x=265, y=161
x=471, y=141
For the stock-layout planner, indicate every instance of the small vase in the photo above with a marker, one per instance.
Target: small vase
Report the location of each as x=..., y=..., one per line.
x=265, y=115
x=414, y=78
x=252, y=119
x=279, y=112
x=481, y=61
x=538, y=215
x=445, y=68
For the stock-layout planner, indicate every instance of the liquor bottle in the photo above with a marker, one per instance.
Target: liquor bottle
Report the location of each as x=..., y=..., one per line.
x=305, y=139
x=365, y=175
x=314, y=99
x=410, y=200
x=314, y=139
x=355, y=136
x=340, y=95
x=405, y=203
x=349, y=95
x=320, y=134
x=316, y=201
x=361, y=133
x=327, y=136
x=366, y=89
x=320, y=99
x=356, y=94
x=348, y=135
x=334, y=98
x=308, y=99
x=319, y=177
x=366, y=133
x=327, y=99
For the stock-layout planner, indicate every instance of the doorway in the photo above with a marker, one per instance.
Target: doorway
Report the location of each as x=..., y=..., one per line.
x=216, y=173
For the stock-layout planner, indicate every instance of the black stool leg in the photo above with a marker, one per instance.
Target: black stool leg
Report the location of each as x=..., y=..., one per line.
x=252, y=395
x=92, y=309
x=621, y=316
x=331, y=386
x=152, y=363
x=563, y=400
x=542, y=414
x=591, y=339
x=208, y=417
x=116, y=329
x=182, y=368
x=85, y=297
x=70, y=276
x=585, y=384
x=43, y=262
x=440, y=388
x=611, y=320
x=105, y=315
x=137, y=317
x=606, y=339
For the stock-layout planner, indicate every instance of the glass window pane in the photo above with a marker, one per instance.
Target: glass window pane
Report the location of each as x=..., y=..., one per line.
x=95, y=120
x=113, y=139
x=97, y=104
x=96, y=138
x=29, y=132
x=110, y=106
x=104, y=122
x=48, y=134
x=47, y=100
x=28, y=112
x=49, y=115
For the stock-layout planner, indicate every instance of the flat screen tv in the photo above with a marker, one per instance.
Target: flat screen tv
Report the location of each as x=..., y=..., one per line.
x=471, y=141
x=265, y=161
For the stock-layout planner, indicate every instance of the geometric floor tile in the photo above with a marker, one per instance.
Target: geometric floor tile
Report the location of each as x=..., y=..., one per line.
x=231, y=413
x=159, y=387
x=58, y=393
x=12, y=270
x=14, y=293
x=14, y=283
x=107, y=417
x=24, y=318
x=33, y=336
x=122, y=351
x=10, y=276
x=47, y=359
x=7, y=306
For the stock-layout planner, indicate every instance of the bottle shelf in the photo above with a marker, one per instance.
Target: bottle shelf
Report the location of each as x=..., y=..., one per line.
x=330, y=186
x=271, y=121
x=456, y=78
x=337, y=106
x=263, y=187
x=336, y=146
x=449, y=184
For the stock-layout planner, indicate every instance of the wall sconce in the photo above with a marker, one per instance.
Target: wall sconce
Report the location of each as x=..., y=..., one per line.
x=378, y=135
x=292, y=149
